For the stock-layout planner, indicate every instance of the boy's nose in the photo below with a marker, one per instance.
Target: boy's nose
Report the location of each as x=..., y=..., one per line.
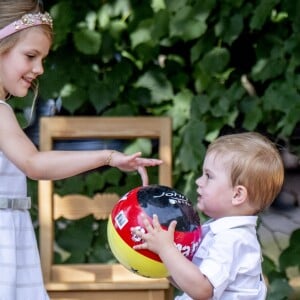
x=199, y=181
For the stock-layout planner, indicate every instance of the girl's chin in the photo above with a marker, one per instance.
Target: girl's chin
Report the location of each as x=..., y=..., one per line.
x=21, y=94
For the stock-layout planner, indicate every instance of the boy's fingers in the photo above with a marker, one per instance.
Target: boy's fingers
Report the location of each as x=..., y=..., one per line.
x=156, y=223
x=172, y=226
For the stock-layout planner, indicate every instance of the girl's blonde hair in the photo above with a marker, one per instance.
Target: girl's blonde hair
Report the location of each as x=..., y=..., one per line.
x=11, y=11
x=254, y=162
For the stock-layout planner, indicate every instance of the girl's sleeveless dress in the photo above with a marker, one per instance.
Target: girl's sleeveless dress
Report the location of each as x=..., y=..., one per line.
x=20, y=268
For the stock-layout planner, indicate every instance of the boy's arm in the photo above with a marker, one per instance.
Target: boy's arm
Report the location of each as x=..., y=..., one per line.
x=171, y=280
x=184, y=273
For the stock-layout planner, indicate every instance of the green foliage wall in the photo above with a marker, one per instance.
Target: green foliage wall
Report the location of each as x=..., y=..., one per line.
x=213, y=66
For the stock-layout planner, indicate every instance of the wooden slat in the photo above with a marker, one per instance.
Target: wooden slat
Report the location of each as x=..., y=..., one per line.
x=82, y=275
x=111, y=295
x=75, y=206
x=45, y=191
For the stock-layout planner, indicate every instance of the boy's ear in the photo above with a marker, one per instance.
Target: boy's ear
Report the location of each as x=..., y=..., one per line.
x=239, y=195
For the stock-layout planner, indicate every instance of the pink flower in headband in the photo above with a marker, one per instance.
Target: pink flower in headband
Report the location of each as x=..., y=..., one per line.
x=28, y=20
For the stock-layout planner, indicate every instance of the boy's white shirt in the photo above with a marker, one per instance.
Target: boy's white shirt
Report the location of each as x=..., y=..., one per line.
x=230, y=257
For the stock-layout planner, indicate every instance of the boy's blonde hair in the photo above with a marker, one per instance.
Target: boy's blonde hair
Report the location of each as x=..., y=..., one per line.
x=254, y=162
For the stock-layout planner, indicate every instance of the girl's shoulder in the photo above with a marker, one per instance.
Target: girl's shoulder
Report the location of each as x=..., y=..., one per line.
x=5, y=103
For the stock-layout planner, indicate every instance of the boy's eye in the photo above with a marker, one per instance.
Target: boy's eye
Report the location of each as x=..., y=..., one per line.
x=207, y=175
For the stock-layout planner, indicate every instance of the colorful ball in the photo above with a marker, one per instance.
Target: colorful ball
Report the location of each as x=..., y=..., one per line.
x=168, y=205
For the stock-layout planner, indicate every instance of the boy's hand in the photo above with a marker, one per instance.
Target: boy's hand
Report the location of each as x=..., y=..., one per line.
x=156, y=239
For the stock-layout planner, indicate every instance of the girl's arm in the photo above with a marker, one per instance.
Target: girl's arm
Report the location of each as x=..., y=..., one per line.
x=60, y=164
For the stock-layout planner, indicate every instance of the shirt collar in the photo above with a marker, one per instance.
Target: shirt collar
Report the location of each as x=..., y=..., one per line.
x=223, y=224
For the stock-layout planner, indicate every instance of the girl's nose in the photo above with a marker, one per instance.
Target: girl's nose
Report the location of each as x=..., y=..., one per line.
x=38, y=69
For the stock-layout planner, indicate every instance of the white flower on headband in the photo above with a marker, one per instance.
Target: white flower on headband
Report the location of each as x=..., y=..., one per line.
x=26, y=21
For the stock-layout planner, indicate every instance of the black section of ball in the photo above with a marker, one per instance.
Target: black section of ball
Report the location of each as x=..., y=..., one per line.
x=168, y=204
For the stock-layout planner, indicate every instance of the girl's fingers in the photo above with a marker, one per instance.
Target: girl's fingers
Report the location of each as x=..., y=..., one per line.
x=148, y=162
x=143, y=173
x=136, y=155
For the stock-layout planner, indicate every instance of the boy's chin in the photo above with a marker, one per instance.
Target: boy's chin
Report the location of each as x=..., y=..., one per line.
x=200, y=207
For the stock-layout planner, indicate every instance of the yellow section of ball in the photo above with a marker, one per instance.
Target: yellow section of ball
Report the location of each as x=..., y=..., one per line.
x=132, y=259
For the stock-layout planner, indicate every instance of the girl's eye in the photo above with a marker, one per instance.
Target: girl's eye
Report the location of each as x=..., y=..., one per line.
x=30, y=56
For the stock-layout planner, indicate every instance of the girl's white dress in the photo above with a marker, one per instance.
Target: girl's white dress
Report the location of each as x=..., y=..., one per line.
x=20, y=268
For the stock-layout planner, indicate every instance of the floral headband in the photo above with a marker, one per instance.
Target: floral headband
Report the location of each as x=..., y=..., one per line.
x=26, y=21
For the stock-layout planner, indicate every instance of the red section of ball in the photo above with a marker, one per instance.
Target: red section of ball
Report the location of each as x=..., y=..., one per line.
x=168, y=205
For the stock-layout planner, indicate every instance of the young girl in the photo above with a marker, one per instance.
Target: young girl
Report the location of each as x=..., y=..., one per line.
x=25, y=40
x=242, y=174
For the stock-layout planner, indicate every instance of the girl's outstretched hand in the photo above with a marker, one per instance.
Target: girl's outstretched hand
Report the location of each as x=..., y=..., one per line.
x=133, y=162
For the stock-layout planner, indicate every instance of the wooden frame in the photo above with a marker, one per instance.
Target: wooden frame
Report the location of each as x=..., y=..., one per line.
x=91, y=281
